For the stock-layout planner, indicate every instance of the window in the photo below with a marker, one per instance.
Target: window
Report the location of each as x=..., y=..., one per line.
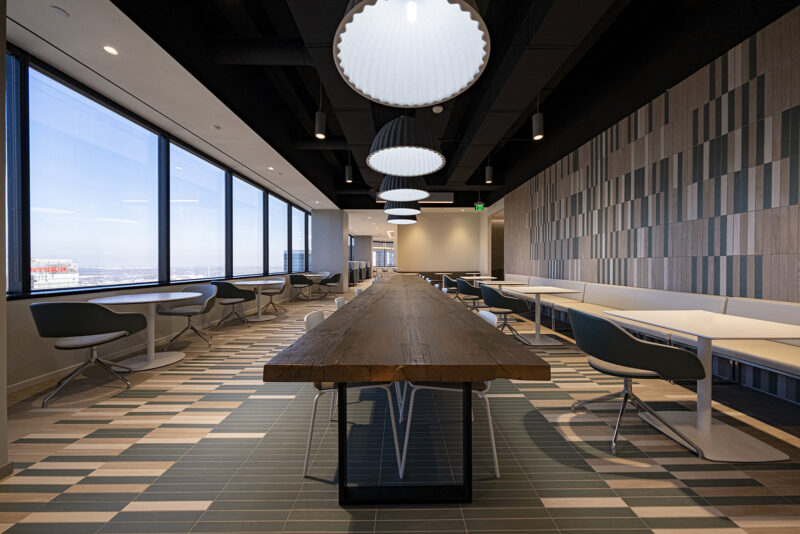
x=298, y=240
x=93, y=192
x=383, y=254
x=197, y=217
x=248, y=229
x=278, y=236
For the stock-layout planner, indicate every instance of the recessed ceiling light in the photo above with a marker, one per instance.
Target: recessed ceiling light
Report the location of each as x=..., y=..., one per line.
x=271, y=168
x=462, y=210
x=59, y=11
x=111, y=50
x=216, y=126
x=316, y=202
x=369, y=217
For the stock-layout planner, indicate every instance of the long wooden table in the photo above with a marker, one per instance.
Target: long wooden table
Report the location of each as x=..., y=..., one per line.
x=399, y=330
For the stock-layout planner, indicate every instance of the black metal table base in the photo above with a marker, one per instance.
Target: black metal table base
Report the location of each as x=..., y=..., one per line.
x=401, y=493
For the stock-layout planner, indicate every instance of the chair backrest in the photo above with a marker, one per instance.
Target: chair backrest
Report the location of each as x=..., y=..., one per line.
x=70, y=319
x=339, y=302
x=325, y=274
x=313, y=319
x=489, y=317
x=332, y=280
x=466, y=288
x=604, y=340
x=226, y=290
x=208, y=292
x=359, y=291
x=495, y=299
x=299, y=280
x=449, y=282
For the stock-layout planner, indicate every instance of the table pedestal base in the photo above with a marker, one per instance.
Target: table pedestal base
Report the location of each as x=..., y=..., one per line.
x=141, y=363
x=723, y=444
x=542, y=341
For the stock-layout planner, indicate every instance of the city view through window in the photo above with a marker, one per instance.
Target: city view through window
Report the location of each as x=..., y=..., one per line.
x=94, y=203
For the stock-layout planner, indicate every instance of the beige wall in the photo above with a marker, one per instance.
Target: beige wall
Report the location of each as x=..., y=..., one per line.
x=442, y=241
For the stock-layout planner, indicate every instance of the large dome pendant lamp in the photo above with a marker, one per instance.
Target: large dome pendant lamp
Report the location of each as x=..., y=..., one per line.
x=400, y=189
x=401, y=208
x=404, y=148
x=411, y=53
x=402, y=219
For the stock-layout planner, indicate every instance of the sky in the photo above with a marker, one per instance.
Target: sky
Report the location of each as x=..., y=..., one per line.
x=94, y=194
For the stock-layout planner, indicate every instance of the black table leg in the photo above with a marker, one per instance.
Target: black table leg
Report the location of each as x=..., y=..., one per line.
x=401, y=493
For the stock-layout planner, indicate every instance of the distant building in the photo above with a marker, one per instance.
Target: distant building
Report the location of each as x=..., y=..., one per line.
x=54, y=274
x=298, y=261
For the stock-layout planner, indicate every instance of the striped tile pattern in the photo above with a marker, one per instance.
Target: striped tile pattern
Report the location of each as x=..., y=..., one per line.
x=204, y=446
x=699, y=190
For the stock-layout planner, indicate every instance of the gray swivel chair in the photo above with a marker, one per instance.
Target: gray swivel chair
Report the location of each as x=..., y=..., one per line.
x=469, y=295
x=339, y=302
x=450, y=285
x=81, y=325
x=271, y=290
x=330, y=283
x=502, y=306
x=230, y=295
x=615, y=352
x=311, y=321
x=300, y=282
x=191, y=308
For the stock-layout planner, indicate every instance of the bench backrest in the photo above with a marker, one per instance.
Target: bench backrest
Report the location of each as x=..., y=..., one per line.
x=766, y=310
x=637, y=298
x=516, y=278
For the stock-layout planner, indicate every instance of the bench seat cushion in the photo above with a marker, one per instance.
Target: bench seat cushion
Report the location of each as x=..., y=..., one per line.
x=774, y=355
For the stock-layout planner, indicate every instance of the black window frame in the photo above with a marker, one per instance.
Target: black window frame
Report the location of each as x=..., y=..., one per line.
x=18, y=177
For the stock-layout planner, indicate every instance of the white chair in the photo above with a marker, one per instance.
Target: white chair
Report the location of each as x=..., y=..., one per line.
x=339, y=302
x=479, y=388
x=311, y=321
x=359, y=291
x=271, y=290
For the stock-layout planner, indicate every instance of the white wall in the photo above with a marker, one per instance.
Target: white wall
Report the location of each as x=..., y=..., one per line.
x=443, y=241
x=362, y=248
x=329, y=243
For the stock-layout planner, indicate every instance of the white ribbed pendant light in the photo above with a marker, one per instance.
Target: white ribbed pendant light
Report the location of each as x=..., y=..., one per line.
x=411, y=53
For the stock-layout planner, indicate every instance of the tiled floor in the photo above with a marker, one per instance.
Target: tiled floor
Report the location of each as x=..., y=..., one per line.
x=204, y=446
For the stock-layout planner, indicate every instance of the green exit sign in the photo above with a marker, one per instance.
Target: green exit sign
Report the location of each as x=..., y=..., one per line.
x=479, y=206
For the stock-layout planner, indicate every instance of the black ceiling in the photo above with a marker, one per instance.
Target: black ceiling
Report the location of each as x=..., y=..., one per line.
x=592, y=62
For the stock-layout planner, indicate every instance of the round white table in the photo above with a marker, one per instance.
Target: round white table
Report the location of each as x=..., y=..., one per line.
x=256, y=285
x=150, y=359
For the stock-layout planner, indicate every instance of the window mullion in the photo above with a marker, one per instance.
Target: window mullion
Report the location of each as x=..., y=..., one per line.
x=163, y=211
x=228, y=224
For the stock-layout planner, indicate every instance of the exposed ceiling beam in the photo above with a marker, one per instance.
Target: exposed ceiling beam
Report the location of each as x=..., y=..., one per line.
x=261, y=51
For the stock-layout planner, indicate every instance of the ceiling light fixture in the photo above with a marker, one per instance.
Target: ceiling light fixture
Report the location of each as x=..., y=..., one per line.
x=488, y=173
x=348, y=171
x=403, y=189
x=402, y=219
x=404, y=147
x=402, y=208
x=319, y=118
x=111, y=50
x=270, y=168
x=59, y=11
x=537, y=123
x=409, y=54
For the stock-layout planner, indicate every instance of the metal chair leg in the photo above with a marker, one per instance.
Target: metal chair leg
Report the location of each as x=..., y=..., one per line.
x=394, y=425
x=333, y=405
x=65, y=381
x=491, y=434
x=619, y=422
x=639, y=403
x=105, y=367
x=201, y=335
x=311, y=430
x=408, y=432
x=179, y=334
x=115, y=364
x=601, y=398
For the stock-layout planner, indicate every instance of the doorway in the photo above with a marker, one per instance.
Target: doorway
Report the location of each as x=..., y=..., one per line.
x=497, y=227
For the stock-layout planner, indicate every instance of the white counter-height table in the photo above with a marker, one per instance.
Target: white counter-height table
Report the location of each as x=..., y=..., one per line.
x=256, y=286
x=534, y=294
x=718, y=441
x=477, y=277
x=150, y=359
x=500, y=283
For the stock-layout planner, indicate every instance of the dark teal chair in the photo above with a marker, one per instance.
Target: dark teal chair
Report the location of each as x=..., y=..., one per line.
x=468, y=294
x=502, y=306
x=330, y=283
x=300, y=282
x=191, y=308
x=82, y=325
x=230, y=295
x=615, y=352
x=449, y=284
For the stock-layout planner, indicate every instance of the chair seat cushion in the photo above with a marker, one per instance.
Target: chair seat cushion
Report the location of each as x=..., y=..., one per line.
x=470, y=297
x=226, y=302
x=499, y=311
x=182, y=310
x=272, y=290
x=478, y=385
x=620, y=370
x=81, y=342
x=781, y=357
